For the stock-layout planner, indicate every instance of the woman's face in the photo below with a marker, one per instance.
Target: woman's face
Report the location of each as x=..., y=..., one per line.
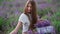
x=29, y=8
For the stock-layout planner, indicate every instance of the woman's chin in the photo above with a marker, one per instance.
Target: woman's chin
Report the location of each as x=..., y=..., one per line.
x=29, y=12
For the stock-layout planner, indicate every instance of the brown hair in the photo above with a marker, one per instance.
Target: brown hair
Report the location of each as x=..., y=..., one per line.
x=33, y=13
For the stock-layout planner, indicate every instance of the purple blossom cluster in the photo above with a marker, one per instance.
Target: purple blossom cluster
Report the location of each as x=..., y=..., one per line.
x=42, y=23
x=44, y=26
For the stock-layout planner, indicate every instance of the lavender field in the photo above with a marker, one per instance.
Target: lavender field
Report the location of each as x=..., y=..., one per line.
x=10, y=11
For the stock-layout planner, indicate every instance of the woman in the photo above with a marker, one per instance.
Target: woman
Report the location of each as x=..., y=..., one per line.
x=27, y=19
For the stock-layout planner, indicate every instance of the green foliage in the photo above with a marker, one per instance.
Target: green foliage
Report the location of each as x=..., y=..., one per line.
x=56, y=20
x=43, y=12
x=10, y=0
x=1, y=2
x=49, y=1
x=1, y=21
x=21, y=9
x=10, y=29
x=7, y=23
x=44, y=17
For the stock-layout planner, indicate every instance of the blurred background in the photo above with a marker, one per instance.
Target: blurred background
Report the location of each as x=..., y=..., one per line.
x=10, y=11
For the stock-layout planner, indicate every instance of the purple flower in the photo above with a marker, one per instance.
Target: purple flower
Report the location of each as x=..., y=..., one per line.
x=42, y=23
x=46, y=23
x=30, y=32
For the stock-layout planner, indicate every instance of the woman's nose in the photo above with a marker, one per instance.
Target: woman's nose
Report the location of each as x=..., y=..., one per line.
x=29, y=8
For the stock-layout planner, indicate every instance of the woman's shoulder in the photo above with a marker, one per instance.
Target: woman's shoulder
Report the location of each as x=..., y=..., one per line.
x=23, y=15
x=23, y=18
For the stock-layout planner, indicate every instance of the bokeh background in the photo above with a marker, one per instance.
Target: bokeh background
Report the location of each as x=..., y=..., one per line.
x=10, y=11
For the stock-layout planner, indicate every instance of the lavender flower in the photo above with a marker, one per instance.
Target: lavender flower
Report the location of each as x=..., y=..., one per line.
x=43, y=26
x=42, y=23
x=30, y=32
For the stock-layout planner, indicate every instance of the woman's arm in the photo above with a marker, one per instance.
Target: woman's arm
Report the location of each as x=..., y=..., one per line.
x=17, y=28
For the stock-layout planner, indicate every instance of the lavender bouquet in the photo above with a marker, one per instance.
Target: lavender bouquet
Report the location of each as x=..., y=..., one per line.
x=41, y=27
x=42, y=23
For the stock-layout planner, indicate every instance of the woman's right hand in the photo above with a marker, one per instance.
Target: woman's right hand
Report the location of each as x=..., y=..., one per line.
x=13, y=32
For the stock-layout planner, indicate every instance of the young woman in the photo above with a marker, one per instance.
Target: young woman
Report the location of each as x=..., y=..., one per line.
x=27, y=19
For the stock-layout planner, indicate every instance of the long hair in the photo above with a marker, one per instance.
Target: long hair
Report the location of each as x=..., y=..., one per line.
x=33, y=13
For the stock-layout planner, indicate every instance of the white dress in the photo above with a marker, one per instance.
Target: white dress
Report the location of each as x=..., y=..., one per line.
x=25, y=22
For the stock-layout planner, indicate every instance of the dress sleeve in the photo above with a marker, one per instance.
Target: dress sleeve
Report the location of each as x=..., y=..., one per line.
x=25, y=22
x=22, y=18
